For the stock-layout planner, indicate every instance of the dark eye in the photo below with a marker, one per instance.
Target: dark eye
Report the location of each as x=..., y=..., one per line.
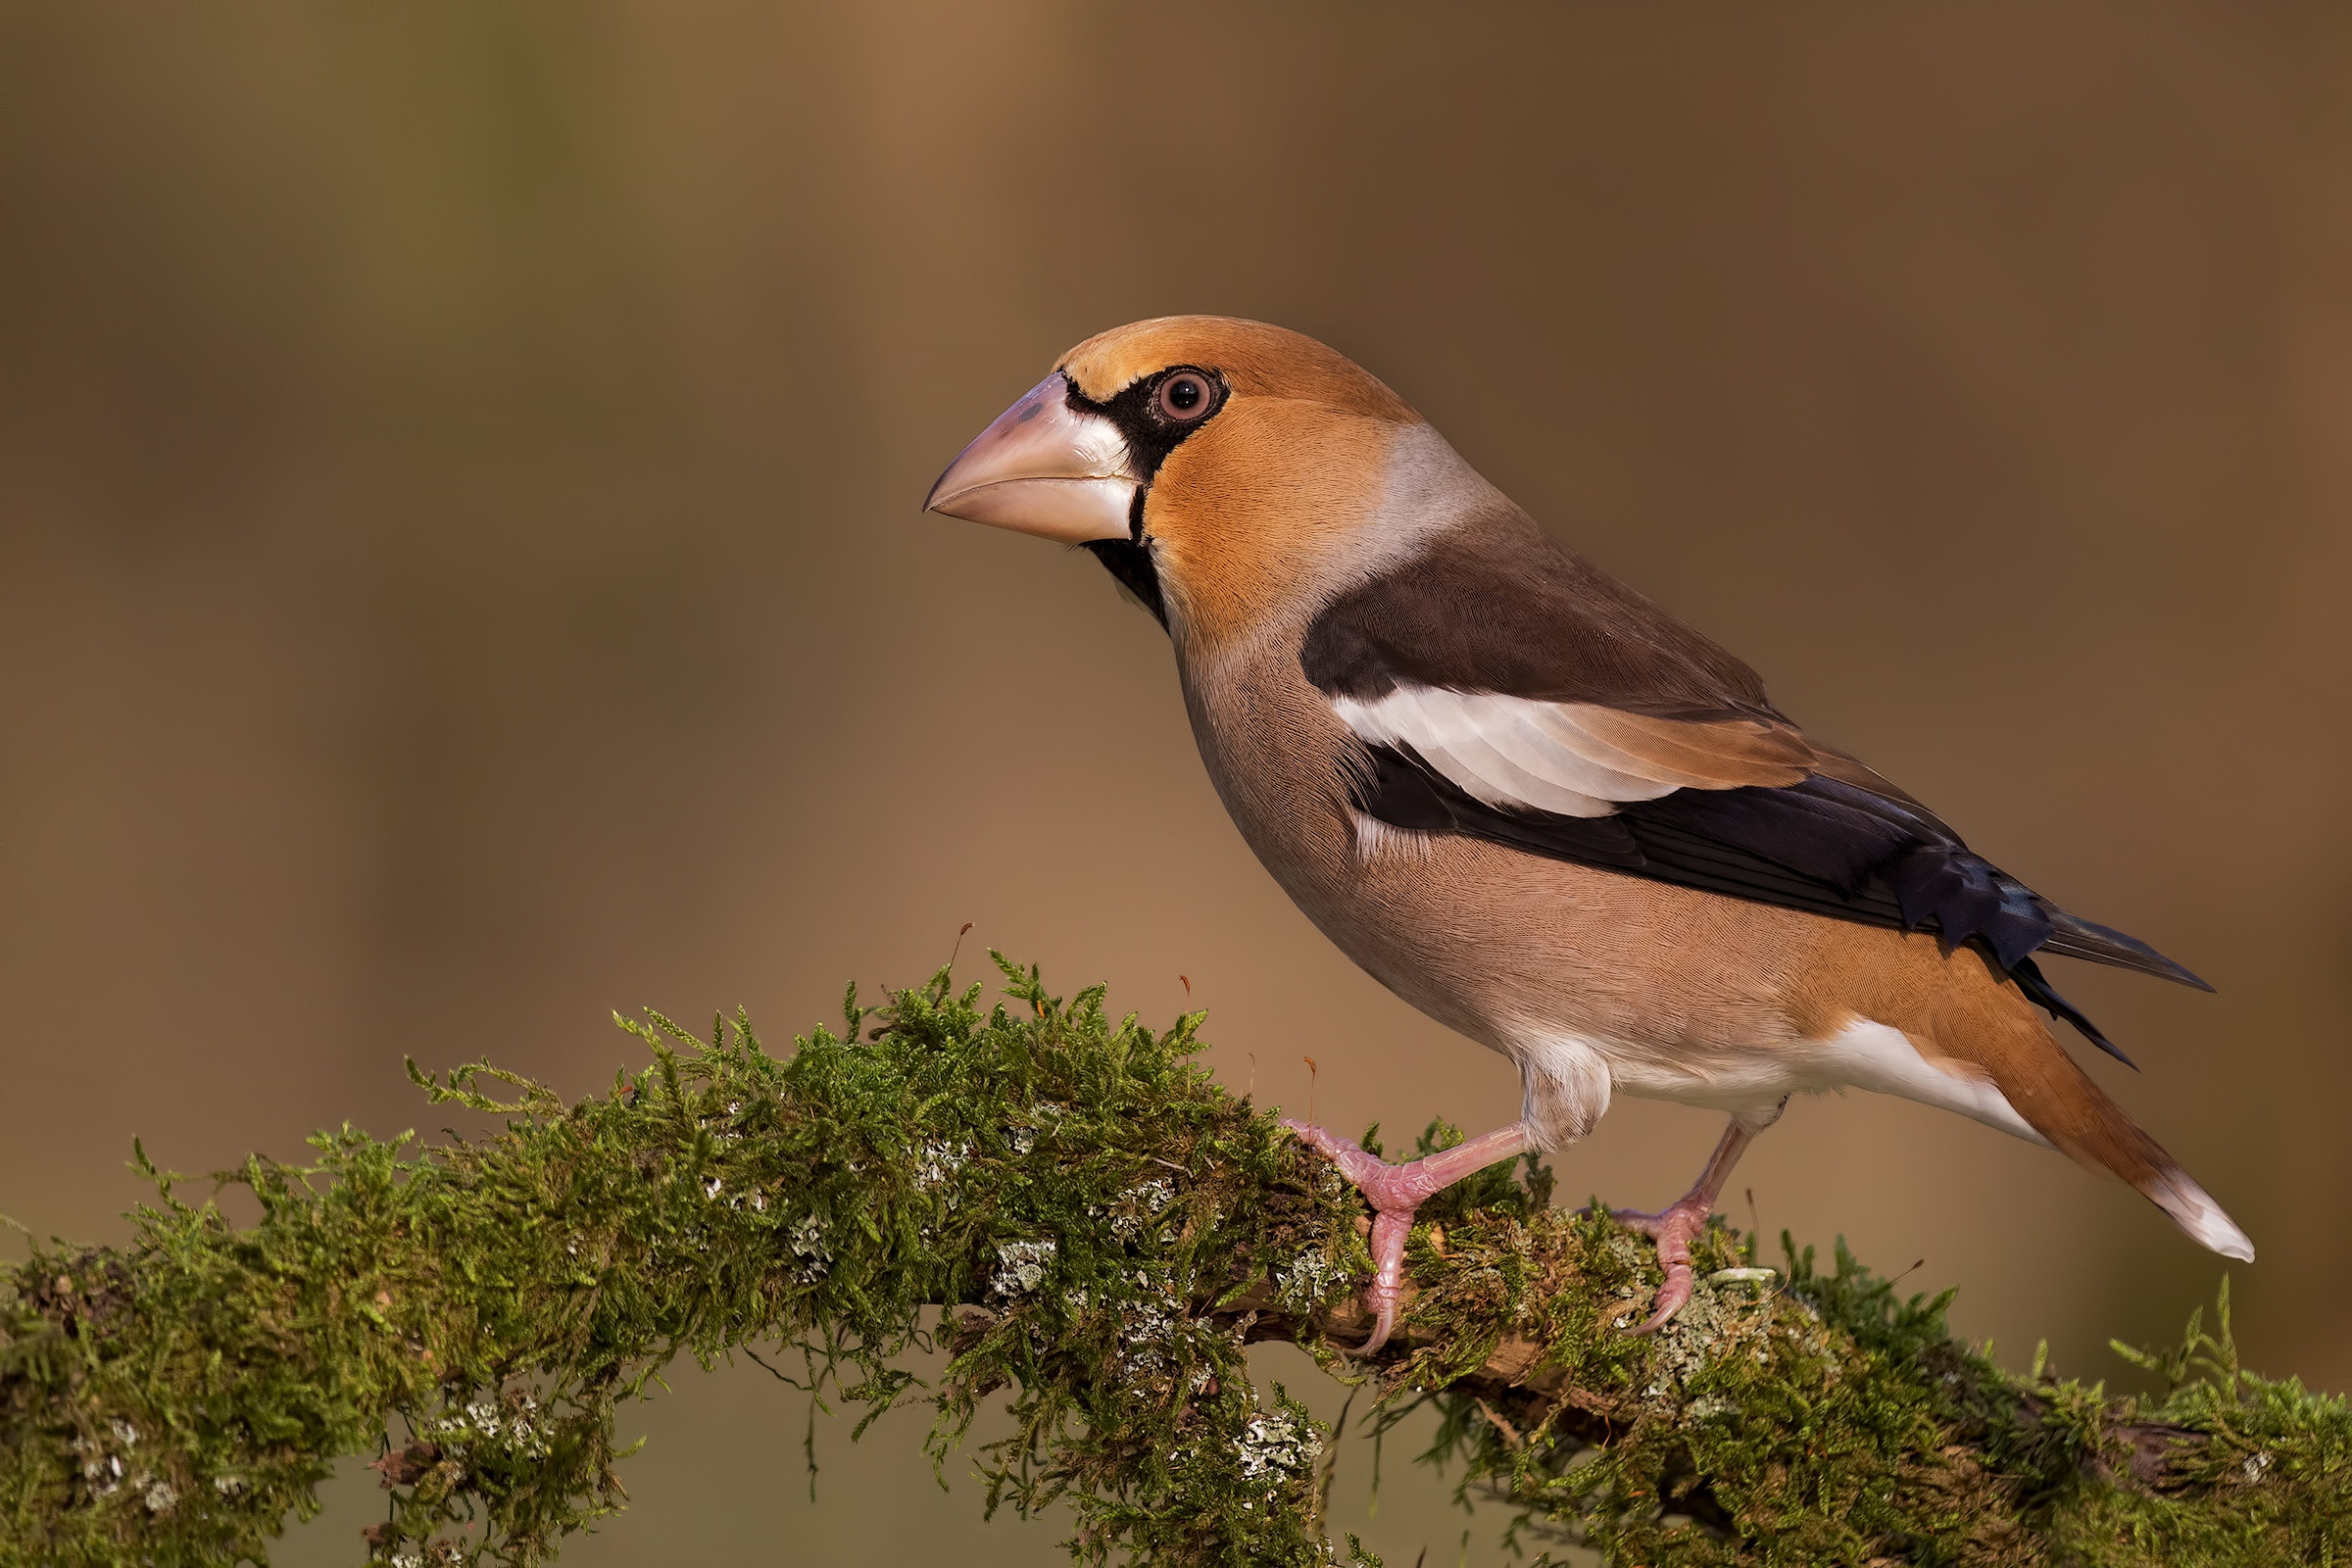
x=1185, y=396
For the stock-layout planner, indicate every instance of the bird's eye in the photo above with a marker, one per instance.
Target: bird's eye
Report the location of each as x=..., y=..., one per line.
x=1185, y=396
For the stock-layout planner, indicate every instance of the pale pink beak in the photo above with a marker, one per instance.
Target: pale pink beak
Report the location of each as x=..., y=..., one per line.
x=1043, y=468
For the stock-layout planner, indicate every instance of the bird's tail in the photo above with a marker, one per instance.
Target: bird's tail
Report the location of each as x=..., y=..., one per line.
x=2060, y=1102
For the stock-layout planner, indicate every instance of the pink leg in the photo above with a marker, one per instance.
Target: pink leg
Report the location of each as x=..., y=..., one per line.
x=1394, y=1192
x=1676, y=1227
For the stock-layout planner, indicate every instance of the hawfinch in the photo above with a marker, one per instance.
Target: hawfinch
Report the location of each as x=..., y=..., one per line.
x=1529, y=801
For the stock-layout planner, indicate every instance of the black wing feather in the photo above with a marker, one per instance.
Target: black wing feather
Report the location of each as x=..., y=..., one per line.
x=1823, y=847
x=1495, y=606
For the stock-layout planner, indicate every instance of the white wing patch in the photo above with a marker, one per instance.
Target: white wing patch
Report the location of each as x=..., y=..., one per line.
x=1514, y=751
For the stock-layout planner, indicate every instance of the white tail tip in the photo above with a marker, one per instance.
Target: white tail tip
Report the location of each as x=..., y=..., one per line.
x=2200, y=1216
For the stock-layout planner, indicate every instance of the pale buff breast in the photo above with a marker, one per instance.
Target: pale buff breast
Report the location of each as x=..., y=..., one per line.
x=1501, y=945
x=1595, y=982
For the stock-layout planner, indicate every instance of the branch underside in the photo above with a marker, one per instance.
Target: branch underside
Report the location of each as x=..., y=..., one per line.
x=1112, y=1230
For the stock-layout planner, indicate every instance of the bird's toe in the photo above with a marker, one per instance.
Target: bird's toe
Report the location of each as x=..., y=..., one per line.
x=1395, y=1193
x=1673, y=1295
x=1673, y=1229
x=1389, y=1228
x=1385, y=1186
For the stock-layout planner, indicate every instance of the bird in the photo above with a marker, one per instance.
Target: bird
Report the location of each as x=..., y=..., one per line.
x=1530, y=802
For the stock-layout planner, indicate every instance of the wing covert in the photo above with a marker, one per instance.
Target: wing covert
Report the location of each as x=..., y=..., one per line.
x=1503, y=689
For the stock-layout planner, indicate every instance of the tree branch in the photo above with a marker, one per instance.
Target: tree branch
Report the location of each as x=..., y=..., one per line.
x=1107, y=1230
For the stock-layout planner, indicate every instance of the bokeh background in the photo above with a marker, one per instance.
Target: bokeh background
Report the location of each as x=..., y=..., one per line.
x=461, y=569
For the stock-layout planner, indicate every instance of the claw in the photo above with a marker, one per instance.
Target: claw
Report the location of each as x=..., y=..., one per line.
x=1675, y=1227
x=1396, y=1192
x=1674, y=1230
x=1394, y=1196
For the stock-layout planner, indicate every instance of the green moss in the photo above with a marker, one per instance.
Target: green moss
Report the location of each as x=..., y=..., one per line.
x=1105, y=1229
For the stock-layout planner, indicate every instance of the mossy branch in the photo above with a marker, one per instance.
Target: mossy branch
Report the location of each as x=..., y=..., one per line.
x=1092, y=1224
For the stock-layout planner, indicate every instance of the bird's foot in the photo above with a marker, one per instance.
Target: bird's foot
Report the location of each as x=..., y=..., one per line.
x=1395, y=1193
x=1674, y=1230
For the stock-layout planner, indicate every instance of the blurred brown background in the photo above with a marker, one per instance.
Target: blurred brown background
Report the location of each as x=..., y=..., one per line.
x=461, y=569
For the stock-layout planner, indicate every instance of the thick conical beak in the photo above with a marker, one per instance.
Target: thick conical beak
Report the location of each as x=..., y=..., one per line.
x=1043, y=468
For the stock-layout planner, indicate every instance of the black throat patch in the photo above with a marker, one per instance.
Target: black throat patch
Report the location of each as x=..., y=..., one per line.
x=1149, y=437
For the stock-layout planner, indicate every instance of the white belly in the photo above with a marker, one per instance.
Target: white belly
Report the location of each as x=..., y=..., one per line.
x=1862, y=1056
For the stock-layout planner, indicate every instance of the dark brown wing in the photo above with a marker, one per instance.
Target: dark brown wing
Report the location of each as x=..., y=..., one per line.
x=1508, y=690
x=1494, y=605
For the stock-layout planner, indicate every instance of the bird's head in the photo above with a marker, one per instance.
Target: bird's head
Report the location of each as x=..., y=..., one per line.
x=1215, y=466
